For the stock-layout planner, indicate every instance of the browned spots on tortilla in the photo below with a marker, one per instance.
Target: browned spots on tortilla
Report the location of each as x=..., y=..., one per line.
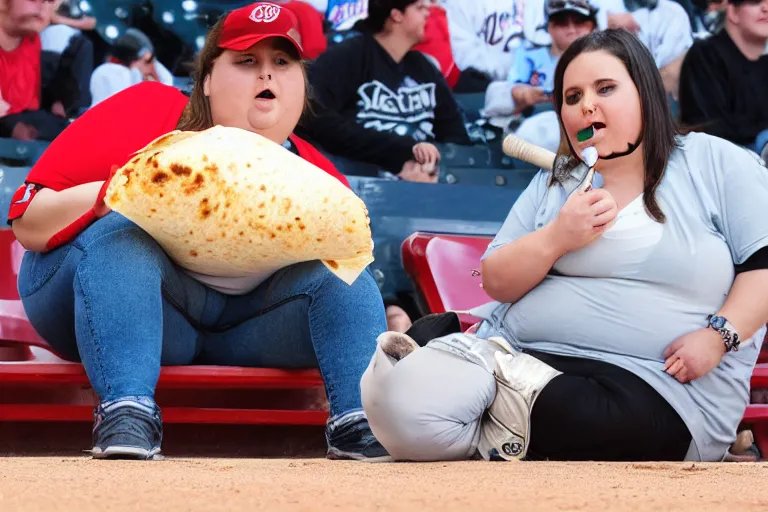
x=261, y=217
x=289, y=226
x=297, y=219
x=286, y=204
x=273, y=199
x=153, y=210
x=279, y=227
x=159, y=178
x=272, y=235
x=261, y=205
x=193, y=253
x=223, y=234
x=349, y=229
x=190, y=232
x=205, y=209
x=224, y=217
x=161, y=194
x=241, y=233
x=354, y=221
x=235, y=220
x=210, y=251
x=213, y=168
x=303, y=227
x=205, y=158
x=333, y=264
x=319, y=239
x=136, y=160
x=155, y=164
x=216, y=207
x=196, y=184
x=209, y=239
x=181, y=170
x=227, y=204
x=263, y=188
x=248, y=165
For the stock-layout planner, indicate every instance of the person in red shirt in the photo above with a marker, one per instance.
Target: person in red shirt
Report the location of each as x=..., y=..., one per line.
x=20, y=83
x=101, y=290
x=310, y=27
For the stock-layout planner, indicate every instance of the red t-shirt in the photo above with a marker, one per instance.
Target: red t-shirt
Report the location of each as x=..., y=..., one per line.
x=109, y=133
x=437, y=43
x=20, y=80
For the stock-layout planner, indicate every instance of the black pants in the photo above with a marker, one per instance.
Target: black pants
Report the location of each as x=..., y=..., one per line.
x=598, y=411
x=48, y=126
x=66, y=77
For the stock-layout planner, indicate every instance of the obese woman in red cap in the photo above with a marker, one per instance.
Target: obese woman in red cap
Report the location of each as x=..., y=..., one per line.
x=101, y=291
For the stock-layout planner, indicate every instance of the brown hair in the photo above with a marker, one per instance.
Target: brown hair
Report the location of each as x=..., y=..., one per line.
x=197, y=114
x=658, y=128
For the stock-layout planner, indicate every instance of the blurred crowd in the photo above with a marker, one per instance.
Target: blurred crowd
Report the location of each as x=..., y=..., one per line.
x=388, y=76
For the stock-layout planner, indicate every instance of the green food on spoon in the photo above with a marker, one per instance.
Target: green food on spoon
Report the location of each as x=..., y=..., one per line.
x=585, y=134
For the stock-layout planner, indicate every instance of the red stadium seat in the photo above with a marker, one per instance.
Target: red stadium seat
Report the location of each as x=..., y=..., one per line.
x=445, y=272
x=441, y=268
x=37, y=385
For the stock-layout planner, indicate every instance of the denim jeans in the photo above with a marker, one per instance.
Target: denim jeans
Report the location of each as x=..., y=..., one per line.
x=760, y=141
x=114, y=300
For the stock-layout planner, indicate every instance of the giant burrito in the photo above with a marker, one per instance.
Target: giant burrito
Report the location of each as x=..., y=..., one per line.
x=226, y=202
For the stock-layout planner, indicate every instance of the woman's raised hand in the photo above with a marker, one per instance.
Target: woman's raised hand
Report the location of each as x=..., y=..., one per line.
x=584, y=217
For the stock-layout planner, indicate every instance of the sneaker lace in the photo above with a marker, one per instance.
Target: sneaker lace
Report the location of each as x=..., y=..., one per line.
x=144, y=425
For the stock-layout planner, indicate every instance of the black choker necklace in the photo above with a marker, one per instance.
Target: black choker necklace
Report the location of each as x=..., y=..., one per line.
x=630, y=149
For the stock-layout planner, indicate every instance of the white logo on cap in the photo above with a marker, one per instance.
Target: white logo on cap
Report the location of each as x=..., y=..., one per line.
x=265, y=13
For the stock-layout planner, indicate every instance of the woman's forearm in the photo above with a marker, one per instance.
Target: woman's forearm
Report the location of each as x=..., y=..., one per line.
x=746, y=306
x=51, y=211
x=515, y=269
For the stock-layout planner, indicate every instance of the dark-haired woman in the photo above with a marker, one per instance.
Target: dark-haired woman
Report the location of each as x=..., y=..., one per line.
x=102, y=291
x=623, y=306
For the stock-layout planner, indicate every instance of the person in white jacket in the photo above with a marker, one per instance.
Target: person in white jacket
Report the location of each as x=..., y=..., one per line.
x=132, y=61
x=485, y=34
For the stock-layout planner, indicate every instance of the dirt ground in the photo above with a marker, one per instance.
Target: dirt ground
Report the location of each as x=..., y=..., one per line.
x=178, y=484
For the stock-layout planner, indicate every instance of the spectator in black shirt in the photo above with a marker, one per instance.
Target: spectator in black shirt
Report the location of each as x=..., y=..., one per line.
x=378, y=101
x=723, y=79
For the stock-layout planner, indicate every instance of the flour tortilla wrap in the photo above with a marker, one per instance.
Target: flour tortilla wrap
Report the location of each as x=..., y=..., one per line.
x=226, y=202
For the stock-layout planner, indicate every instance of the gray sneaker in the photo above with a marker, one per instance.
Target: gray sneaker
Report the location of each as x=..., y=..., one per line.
x=127, y=429
x=350, y=438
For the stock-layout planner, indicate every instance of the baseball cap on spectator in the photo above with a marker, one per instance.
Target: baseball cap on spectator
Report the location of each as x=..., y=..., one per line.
x=132, y=46
x=582, y=7
x=246, y=26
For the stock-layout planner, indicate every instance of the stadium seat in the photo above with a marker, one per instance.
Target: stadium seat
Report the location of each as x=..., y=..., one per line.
x=445, y=272
x=17, y=152
x=756, y=415
x=397, y=209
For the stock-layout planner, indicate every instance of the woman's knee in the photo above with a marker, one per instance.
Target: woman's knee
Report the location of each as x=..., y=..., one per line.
x=117, y=245
x=428, y=406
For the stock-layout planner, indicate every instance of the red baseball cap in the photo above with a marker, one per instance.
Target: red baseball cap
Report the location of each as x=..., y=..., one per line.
x=248, y=25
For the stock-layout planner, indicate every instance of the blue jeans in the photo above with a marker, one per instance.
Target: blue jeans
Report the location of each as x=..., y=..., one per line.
x=760, y=141
x=114, y=300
